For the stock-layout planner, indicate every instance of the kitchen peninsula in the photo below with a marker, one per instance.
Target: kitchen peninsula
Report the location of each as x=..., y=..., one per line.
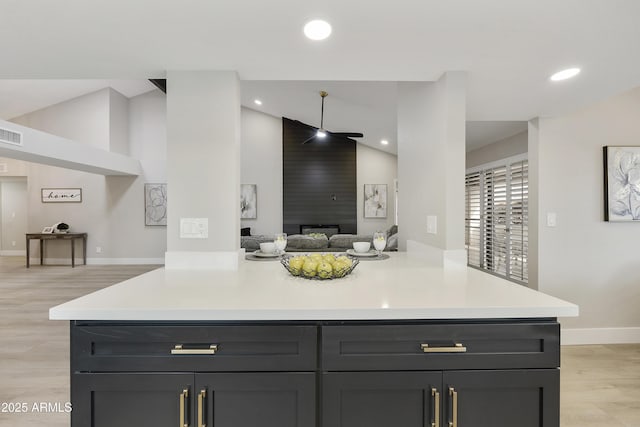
x=397, y=342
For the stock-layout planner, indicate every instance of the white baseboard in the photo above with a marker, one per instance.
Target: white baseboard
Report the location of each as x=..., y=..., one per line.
x=584, y=336
x=125, y=261
x=13, y=253
x=100, y=261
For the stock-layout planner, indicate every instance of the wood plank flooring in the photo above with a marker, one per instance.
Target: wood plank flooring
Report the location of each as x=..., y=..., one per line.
x=600, y=385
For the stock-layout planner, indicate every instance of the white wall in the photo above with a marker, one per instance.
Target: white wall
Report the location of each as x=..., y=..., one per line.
x=502, y=149
x=118, y=123
x=13, y=215
x=261, y=164
x=375, y=167
x=431, y=163
x=112, y=209
x=146, y=133
x=585, y=260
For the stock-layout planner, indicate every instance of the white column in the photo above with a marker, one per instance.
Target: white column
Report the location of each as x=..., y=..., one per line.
x=203, y=170
x=431, y=166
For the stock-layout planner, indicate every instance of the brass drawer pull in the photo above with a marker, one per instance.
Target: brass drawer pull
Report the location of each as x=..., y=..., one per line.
x=178, y=349
x=436, y=407
x=183, y=396
x=458, y=348
x=454, y=410
x=201, y=396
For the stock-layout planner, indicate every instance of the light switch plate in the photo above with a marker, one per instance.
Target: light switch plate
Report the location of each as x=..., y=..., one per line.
x=552, y=219
x=194, y=228
x=432, y=224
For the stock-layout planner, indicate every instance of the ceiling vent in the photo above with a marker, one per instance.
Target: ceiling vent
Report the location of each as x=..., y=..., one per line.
x=10, y=137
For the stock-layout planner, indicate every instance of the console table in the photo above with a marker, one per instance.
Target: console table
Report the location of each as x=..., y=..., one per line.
x=72, y=237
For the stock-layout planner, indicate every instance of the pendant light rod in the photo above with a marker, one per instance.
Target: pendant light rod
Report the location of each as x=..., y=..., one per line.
x=323, y=94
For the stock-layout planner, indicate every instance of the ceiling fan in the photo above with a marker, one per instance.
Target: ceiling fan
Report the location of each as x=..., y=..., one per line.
x=321, y=132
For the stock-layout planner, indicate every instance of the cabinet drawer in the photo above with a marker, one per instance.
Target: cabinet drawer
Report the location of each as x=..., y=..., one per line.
x=161, y=348
x=441, y=346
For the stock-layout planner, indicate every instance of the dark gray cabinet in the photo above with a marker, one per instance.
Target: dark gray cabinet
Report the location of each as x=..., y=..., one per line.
x=491, y=398
x=381, y=399
x=221, y=400
x=193, y=375
x=141, y=399
x=256, y=400
x=472, y=373
x=523, y=398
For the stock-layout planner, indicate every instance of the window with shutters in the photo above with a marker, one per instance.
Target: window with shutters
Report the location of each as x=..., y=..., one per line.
x=496, y=218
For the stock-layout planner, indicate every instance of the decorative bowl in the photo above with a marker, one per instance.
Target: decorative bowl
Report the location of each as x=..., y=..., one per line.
x=268, y=248
x=338, y=269
x=361, y=247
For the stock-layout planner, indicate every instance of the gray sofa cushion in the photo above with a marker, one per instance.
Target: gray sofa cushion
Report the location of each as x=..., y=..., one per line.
x=392, y=243
x=392, y=230
x=299, y=241
x=345, y=241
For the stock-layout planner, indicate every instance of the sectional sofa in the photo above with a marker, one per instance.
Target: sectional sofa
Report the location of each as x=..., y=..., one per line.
x=319, y=242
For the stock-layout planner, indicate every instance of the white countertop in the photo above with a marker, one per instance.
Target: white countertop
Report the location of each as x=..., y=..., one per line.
x=402, y=287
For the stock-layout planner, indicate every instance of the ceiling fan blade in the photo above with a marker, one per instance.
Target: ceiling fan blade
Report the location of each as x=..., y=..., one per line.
x=309, y=139
x=347, y=134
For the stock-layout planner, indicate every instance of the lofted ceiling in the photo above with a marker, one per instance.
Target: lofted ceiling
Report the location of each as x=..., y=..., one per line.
x=367, y=107
x=508, y=48
x=18, y=97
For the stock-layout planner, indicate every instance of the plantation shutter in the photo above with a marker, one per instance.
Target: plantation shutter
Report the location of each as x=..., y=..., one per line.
x=519, y=221
x=496, y=219
x=473, y=230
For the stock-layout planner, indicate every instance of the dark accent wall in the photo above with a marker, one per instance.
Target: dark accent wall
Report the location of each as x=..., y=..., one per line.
x=318, y=179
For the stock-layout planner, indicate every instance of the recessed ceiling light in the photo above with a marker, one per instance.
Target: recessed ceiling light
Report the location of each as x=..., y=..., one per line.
x=257, y=102
x=565, y=74
x=384, y=142
x=317, y=29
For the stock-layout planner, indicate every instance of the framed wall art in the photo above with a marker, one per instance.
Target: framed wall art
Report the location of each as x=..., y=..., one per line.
x=61, y=195
x=621, y=183
x=248, y=201
x=375, y=200
x=155, y=204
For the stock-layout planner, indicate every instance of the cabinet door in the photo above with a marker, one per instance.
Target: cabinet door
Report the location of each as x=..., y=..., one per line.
x=381, y=399
x=256, y=400
x=141, y=400
x=523, y=398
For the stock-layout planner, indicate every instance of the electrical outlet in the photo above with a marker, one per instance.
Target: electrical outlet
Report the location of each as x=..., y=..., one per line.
x=98, y=249
x=13, y=243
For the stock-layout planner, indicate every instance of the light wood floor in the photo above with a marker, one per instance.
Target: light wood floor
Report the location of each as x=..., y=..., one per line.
x=600, y=385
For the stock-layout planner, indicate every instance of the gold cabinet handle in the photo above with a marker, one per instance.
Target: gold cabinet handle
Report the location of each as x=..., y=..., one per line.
x=458, y=348
x=178, y=349
x=183, y=396
x=454, y=399
x=201, y=397
x=435, y=394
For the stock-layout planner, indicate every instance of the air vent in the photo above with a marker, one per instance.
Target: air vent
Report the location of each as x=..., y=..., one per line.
x=10, y=137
